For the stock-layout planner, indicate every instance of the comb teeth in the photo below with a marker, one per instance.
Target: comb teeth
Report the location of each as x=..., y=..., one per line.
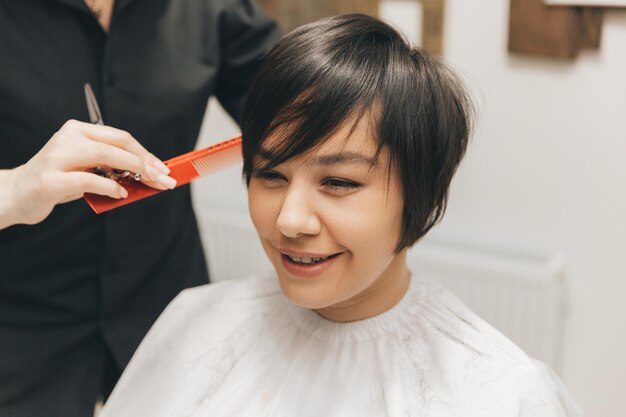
x=214, y=162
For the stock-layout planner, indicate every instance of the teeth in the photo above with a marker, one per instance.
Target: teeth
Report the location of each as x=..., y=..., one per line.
x=307, y=260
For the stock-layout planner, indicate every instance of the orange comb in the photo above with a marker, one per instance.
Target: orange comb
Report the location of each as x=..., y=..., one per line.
x=184, y=169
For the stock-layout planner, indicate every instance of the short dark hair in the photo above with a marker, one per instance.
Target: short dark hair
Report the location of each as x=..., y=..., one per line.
x=324, y=73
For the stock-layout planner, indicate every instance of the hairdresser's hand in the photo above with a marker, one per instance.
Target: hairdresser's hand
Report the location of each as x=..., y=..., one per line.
x=62, y=171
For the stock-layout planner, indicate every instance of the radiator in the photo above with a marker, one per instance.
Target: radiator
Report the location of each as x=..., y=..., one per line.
x=520, y=292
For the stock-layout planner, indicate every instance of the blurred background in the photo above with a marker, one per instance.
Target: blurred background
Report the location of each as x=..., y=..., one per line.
x=541, y=195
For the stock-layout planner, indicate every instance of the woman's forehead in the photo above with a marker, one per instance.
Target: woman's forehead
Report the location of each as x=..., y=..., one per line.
x=348, y=142
x=353, y=139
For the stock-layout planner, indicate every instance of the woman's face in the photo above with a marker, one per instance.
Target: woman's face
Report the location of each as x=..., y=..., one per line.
x=329, y=221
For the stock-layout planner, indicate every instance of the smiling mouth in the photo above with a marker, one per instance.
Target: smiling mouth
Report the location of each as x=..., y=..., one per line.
x=308, y=261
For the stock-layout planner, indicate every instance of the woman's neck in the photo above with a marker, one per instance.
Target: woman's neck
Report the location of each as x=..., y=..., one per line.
x=381, y=296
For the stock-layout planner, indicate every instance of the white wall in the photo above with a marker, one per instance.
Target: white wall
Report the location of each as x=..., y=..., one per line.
x=546, y=169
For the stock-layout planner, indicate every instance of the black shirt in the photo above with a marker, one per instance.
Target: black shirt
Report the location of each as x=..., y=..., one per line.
x=152, y=74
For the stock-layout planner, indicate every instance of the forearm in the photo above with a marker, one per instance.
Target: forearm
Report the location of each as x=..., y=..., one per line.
x=9, y=212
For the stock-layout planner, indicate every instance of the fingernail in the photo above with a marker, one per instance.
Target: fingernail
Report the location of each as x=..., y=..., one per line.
x=124, y=193
x=152, y=172
x=161, y=166
x=169, y=182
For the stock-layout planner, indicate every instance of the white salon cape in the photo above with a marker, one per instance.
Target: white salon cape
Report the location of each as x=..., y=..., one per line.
x=240, y=348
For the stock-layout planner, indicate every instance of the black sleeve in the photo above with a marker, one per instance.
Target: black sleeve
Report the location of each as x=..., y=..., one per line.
x=246, y=34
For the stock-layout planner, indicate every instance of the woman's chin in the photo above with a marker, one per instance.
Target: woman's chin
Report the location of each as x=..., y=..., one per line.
x=303, y=297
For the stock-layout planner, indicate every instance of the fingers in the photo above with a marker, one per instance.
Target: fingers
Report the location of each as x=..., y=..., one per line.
x=92, y=154
x=74, y=184
x=112, y=157
x=120, y=139
x=109, y=147
x=162, y=183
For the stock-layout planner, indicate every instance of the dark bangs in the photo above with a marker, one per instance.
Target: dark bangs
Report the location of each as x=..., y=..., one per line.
x=315, y=79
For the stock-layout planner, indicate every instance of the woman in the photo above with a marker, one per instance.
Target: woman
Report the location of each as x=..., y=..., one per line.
x=351, y=139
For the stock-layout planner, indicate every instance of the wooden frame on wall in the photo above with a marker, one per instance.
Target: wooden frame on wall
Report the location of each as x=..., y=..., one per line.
x=590, y=3
x=432, y=25
x=293, y=13
x=536, y=28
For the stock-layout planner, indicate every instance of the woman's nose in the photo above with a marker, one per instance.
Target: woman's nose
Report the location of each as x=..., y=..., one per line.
x=297, y=216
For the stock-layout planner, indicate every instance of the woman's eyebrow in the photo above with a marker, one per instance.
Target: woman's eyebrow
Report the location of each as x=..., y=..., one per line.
x=327, y=160
x=343, y=157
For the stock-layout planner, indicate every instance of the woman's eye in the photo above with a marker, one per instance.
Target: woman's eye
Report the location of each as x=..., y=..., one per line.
x=340, y=184
x=269, y=175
